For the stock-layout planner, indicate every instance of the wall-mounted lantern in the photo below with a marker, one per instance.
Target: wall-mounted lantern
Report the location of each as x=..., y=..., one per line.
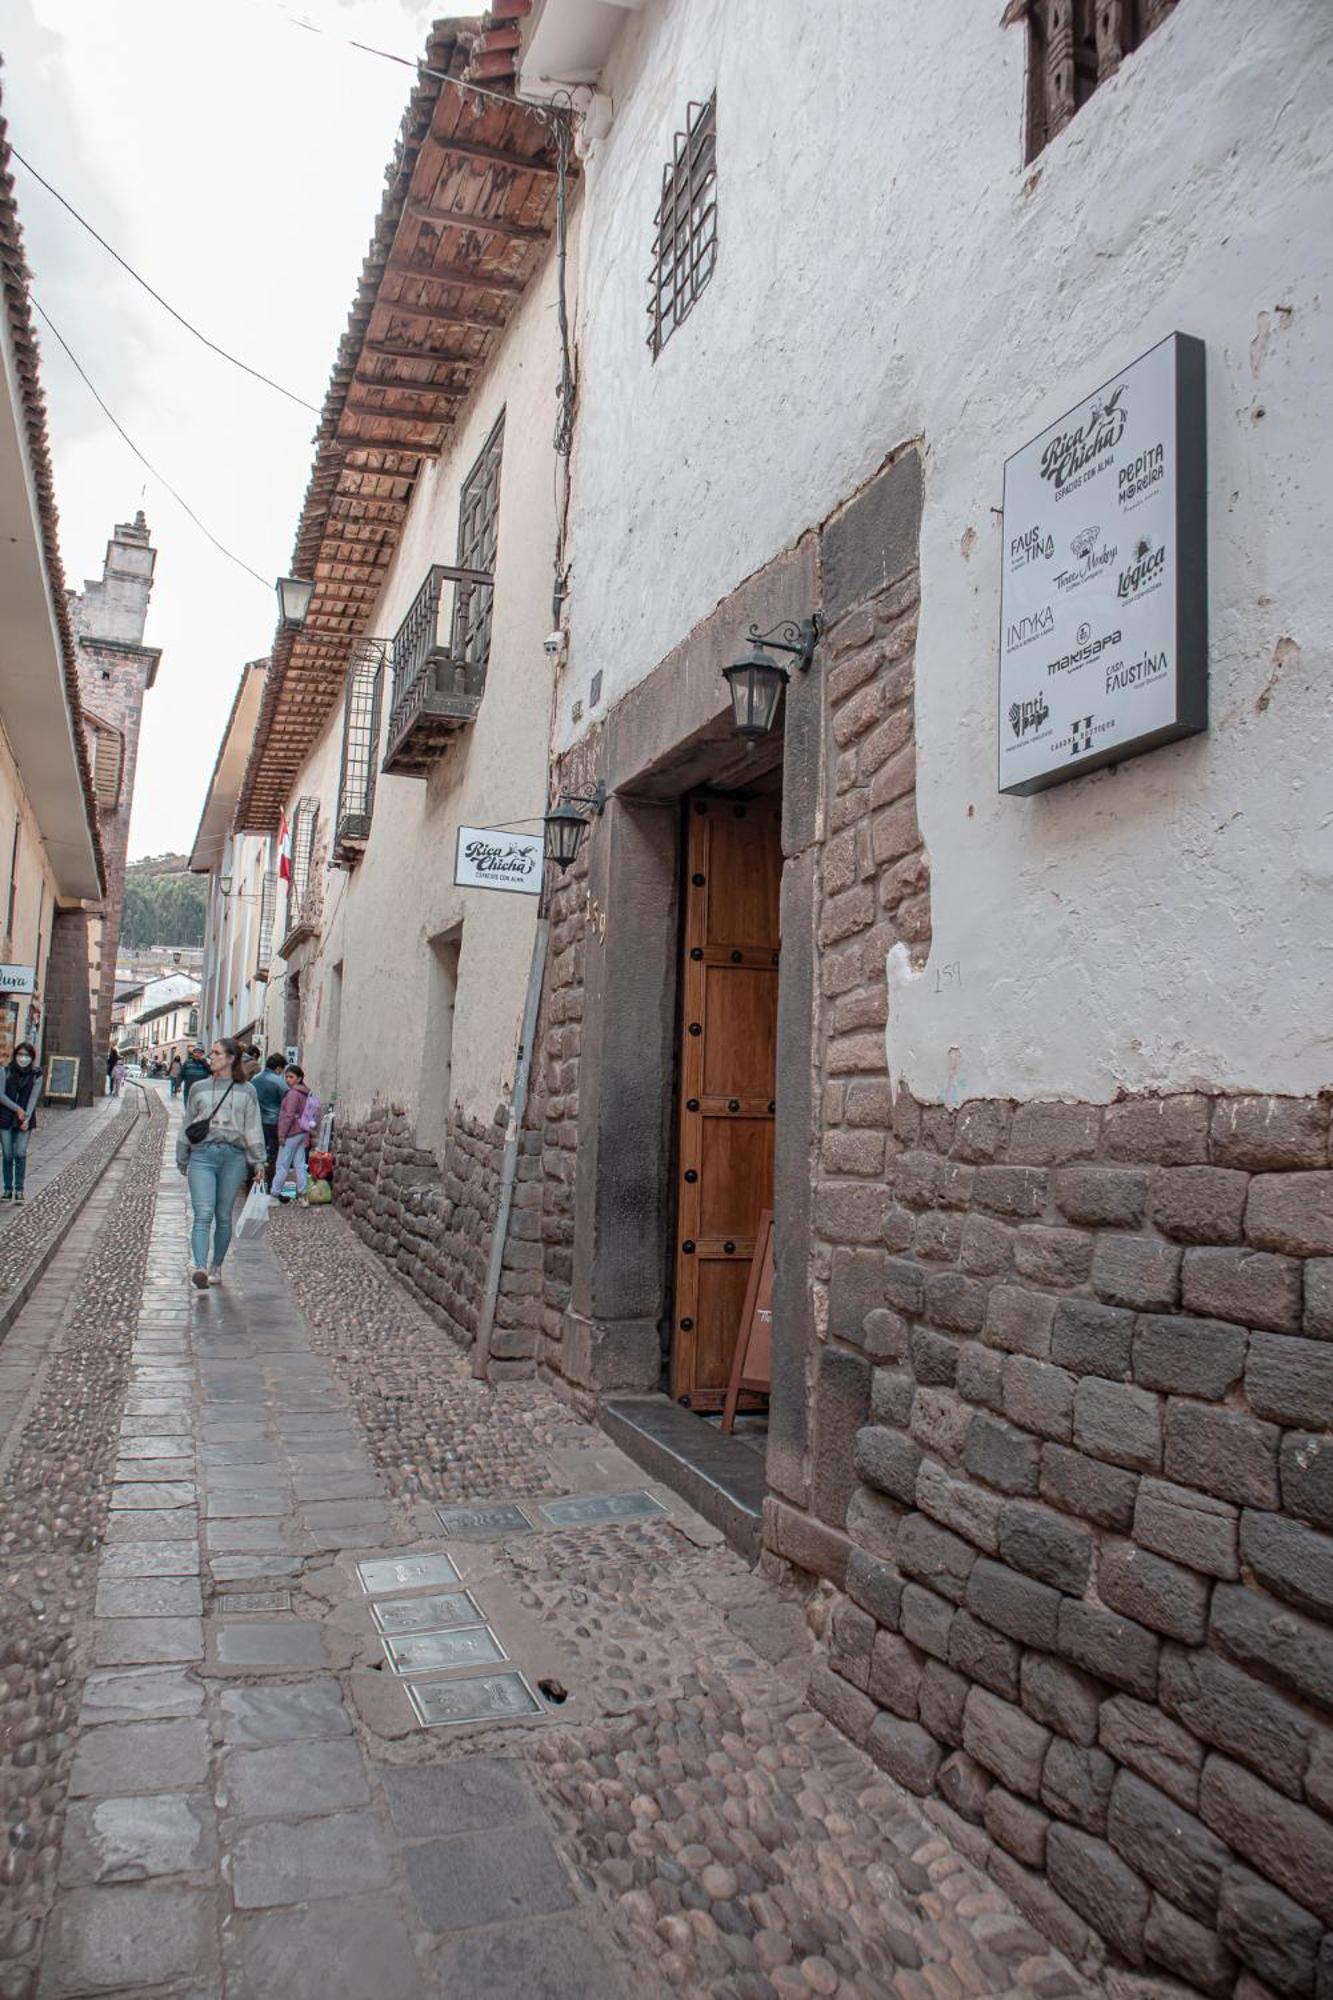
x=757, y=681
x=224, y=883
x=568, y=821
x=294, y=595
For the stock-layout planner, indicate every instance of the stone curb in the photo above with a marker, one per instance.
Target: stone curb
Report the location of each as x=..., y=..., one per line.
x=32, y=1277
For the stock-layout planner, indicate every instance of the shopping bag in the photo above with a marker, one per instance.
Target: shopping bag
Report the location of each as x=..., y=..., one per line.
x=319, y=1192
x=253, y=1219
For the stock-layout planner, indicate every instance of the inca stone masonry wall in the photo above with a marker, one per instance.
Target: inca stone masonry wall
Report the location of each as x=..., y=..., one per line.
x=431, y=1224
x=1070, y=1470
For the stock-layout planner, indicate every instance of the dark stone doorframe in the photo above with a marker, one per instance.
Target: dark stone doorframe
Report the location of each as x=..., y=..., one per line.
x=671, y=735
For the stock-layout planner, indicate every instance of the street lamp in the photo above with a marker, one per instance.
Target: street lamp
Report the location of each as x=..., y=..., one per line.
x=294, y=595
x=757, y=681
x=568, y=821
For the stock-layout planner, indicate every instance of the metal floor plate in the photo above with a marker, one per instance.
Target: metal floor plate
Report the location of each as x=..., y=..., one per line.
x=406, y=1573
x=497, y=1520
x=598, y=1508
x=431, y=1652
x=428, y=1614
x=477, y=1698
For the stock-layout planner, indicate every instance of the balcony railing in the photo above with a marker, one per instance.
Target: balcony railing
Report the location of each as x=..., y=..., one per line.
x=439, y=667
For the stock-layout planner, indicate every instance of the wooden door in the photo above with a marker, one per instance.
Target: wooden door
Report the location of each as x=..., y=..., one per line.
x=728, y=1068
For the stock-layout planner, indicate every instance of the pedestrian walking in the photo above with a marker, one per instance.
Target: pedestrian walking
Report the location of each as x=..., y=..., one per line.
x=193, y=1070
x=112, y=1066
x=271, y=1089
x=253, y=1062
x=220, y=1145
x=20, y=1094
x=297, y=1125
x=174, y=1074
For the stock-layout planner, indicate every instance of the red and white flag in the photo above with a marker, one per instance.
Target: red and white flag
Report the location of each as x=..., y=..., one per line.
x=284, y=851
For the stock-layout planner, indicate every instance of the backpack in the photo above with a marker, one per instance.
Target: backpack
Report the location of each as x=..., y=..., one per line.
x=308, y=1122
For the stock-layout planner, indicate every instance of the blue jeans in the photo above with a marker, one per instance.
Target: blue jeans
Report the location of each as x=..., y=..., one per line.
x=291, y=1160
x=14, y=1145
x=215, y=1176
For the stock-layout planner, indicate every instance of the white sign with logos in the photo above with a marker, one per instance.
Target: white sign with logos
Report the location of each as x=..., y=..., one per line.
x=1104, y=603
x=487, y=859
x=17, y=978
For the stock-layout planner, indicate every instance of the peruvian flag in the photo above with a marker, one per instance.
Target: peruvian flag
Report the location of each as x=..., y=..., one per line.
x=284, y=851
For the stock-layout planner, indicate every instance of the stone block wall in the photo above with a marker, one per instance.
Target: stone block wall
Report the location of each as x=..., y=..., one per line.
x=538, y=1267
x=431, y=1224
x=1082, y=1357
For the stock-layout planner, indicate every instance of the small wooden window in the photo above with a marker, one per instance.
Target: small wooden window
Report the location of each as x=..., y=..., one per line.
x=685, y=246
x=1073, y=47
x=108, y=761
x=478, y=540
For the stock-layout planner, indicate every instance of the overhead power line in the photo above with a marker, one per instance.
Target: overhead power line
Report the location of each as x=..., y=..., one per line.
x=166, y=305
x=116, y=425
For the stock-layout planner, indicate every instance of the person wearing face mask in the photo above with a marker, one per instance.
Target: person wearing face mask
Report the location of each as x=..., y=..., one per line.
x=20, y=1094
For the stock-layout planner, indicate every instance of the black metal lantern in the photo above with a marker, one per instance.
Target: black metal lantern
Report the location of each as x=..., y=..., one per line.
x=568, y=821
x=294, y=595
x=757, y=681
x=224, y=883
x=756, y=684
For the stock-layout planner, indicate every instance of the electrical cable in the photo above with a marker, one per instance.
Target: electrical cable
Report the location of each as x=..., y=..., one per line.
x=116, y=425
x=125, y=265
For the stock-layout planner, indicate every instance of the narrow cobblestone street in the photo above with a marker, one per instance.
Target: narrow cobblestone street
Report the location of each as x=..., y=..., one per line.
x=215, y=1782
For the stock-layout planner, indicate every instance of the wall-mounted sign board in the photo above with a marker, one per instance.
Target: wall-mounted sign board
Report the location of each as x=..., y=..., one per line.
x=1104, y=602
x=17, y=978
x=486, y=859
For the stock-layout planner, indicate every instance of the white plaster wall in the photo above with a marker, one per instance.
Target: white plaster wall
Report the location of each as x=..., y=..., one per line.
x=889, y=269
x=379, y=920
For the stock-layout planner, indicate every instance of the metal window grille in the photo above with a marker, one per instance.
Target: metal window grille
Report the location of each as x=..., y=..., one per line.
x=361, y=735
x=685, y=245
x=268, y=911
x=478, y=537
x=1073, y=47
x=303, y=848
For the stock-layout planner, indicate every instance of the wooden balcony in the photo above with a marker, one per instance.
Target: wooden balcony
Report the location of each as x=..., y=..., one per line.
x=439, y=668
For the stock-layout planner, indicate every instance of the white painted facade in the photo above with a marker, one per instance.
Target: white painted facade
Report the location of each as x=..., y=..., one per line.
x=888, y=269
x=377, y=1026
x=237, y=865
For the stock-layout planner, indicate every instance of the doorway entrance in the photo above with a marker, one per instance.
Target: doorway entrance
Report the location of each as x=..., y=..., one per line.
x=727, y=1071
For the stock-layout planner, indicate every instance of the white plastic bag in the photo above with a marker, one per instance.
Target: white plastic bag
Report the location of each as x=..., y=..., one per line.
x=253, y=1218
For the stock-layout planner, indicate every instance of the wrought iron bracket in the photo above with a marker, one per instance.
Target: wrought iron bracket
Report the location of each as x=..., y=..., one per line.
x=593, y=802
x=790, y=637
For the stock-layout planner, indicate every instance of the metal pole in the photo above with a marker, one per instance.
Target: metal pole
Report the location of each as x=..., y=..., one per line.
x=481, y=1353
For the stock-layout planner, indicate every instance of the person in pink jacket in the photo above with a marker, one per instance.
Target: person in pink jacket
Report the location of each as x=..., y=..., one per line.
x=298, y=1121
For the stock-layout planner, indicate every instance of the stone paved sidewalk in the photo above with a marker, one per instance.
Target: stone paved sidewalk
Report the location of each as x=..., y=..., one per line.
x=255, y=1807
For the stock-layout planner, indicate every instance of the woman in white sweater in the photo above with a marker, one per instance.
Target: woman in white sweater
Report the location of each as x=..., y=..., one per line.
x=226, y=1149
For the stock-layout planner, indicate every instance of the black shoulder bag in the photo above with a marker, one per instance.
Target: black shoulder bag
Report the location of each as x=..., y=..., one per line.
x=198, y=1131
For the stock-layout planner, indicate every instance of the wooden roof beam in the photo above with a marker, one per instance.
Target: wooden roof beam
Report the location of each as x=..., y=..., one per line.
x=422, y=410
x=466, y=276
x=434, y=316
x=484, y=225
x=402, y=350
x=423, y=440
x=493, y=156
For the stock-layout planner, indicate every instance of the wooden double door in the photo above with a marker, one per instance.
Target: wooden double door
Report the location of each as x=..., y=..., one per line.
x=727, y=1072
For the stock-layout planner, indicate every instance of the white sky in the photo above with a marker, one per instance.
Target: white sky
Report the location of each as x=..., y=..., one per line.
x=237, y=161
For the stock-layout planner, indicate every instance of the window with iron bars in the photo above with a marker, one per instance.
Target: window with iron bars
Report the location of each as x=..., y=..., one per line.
x=685, y=245
x=478, y=538
x=361, y=734
x=268, y=912
x=1073, y=47
x=304, y=822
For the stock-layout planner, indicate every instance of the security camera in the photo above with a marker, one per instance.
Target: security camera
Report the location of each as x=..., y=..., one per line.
x=554, y=644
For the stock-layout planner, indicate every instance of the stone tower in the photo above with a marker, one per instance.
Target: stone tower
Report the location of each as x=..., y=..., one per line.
x=116, y=670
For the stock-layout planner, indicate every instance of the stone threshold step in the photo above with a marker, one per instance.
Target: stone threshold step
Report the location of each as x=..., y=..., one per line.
x=718, y=1476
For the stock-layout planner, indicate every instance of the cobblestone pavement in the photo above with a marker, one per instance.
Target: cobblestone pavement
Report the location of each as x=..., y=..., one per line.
x=217, y=1783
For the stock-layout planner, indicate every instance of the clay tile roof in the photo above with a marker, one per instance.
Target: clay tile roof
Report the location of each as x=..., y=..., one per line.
x=468, y=211
x=14, y=276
